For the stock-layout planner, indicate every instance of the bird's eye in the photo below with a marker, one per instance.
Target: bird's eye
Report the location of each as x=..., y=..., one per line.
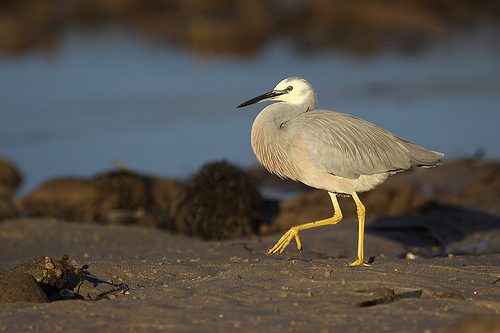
x=289, y=88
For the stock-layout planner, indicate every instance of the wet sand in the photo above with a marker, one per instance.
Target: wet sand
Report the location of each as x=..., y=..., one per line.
x=434, y=249
x=186, y=284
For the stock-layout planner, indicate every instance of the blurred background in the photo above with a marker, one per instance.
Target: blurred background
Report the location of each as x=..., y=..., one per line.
x=155, y=83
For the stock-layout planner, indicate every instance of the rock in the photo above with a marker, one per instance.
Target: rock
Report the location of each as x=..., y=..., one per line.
x=125, y=197
x=120, y=196
x=49, y=274
x=441, y=229
x=8, y=208
x=220, y=203
x=306, y=208
x=483, y=192
x=112, y=197
x=393, y=200
x=20, y=287
x=164, y=191
x=382, y=201
x=65, y=198
x=10, y=178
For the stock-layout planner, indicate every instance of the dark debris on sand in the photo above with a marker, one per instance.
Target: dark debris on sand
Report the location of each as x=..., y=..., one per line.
x=38, y=280
x=43, y=280
x=114, y=197
x=221, y=202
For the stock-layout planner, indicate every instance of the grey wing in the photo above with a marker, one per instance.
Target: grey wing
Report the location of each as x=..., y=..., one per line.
x=348, y=147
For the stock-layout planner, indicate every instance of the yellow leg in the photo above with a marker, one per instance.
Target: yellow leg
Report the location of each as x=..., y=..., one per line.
x=294, y=231
x=361, y=230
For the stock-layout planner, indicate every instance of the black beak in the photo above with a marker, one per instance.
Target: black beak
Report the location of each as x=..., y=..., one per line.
x=262, y=97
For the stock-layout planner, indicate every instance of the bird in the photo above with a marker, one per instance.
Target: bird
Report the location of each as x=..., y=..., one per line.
x=327, y=150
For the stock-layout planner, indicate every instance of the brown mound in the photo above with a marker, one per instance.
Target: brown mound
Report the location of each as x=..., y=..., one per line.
x=220, y=203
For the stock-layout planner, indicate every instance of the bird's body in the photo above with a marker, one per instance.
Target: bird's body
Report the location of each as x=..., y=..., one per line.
x=327, y=150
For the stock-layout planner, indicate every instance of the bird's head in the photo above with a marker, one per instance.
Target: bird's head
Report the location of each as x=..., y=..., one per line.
x=293, y=90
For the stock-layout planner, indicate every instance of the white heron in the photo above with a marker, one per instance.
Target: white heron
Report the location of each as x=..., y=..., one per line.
x=327, y=150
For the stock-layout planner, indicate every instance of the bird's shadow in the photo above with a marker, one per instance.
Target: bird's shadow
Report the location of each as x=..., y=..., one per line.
x=441, y=228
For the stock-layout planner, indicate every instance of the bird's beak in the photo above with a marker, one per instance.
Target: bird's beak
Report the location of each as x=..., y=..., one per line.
x=263, y=97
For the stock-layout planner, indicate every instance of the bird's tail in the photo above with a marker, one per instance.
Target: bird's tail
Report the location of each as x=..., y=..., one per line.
x=423, y=157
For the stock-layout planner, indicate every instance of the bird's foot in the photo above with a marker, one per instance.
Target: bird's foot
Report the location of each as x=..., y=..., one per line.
x=285, y=240
x=358, y=262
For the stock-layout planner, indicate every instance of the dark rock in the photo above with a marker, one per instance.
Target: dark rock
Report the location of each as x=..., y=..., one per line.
x=20, y=287
x=441, y=229
x=120, y=196
x=65, y=198
x=483, y=192
x=164, y=191
x=8, y=208
x=306, y=208
x=125, y=197
x=112, y=197
x=48, y=273
x=220, y=203
x=382, y=201
x=10, y=178
x=393, y=200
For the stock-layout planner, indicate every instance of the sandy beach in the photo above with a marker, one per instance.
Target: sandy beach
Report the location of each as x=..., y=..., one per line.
x=185, y=284
x=101, y=100
x=179, y=283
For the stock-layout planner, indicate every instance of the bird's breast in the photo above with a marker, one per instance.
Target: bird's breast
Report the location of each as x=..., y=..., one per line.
x=273, y=146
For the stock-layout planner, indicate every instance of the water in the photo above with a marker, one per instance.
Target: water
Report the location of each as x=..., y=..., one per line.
x=163, y=111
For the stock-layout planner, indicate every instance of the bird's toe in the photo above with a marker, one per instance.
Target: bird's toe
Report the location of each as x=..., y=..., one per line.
x=358, y=262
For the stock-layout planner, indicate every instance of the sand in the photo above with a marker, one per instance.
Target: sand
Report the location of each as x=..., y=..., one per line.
x=434, y=251
x=178, y=283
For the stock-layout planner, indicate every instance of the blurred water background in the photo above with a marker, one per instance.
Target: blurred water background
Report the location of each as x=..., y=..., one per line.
x=111, y=92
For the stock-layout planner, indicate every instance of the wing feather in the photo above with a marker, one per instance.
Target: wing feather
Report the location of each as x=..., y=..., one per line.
x=348, y=147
